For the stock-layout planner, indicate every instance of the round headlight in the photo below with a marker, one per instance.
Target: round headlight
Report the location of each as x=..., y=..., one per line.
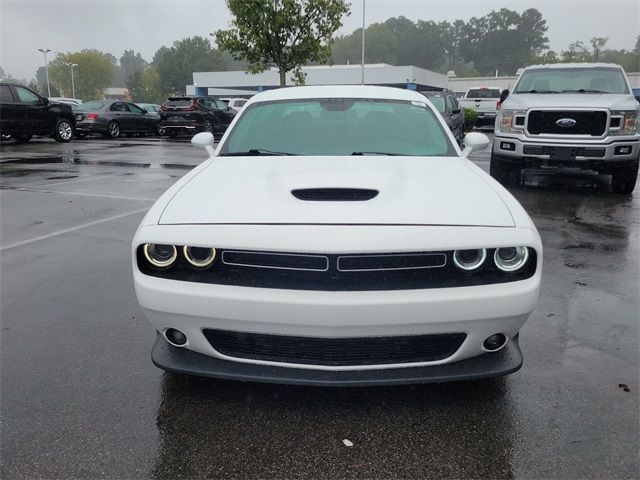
x=469, y=260
x=199, y=256
x=510, y=259
x=160, y=255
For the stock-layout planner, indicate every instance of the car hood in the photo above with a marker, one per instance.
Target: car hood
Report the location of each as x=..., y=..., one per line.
x=523, y=101
x=412, y=191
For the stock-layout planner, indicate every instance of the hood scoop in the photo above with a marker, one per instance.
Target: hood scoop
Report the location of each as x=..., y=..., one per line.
x=334, y=194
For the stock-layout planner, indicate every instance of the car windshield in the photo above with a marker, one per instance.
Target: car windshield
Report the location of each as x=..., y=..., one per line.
x=483, y=93
x=92, y=105
x=438, y=102
x=338, y=126
x=572, y=80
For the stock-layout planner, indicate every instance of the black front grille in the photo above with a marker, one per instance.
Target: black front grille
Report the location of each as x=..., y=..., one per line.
x=586, y=123
x=337, y=272
x=335, y=351
x=334, y=194
x=572, y=151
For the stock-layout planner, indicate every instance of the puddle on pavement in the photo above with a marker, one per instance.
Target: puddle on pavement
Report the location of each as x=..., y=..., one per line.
x=78, y=160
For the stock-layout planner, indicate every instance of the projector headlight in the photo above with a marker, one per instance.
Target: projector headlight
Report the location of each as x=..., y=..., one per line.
x=160, y=255
x=511, y=259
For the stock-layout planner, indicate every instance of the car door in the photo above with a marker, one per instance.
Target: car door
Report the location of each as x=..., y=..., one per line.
x=13, y=114
x=457, y=117
x=140, y=121
x=37, y=110
x=119, y=113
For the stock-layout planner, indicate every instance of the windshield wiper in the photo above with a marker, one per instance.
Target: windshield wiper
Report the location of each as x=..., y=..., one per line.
x=377, y=153
x=536, y=91
x=583, y=90
x=255, y=152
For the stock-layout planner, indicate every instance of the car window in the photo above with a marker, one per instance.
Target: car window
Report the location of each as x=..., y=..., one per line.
x=438, y=102
x=452, y=103
x=483, y=93
x=339, y=126
x=134, y=108
x=92, y=105
x=26, y=95
x=5, y=94
x=575, y=79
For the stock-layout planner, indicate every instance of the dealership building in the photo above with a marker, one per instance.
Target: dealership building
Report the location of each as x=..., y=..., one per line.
x=243, y=84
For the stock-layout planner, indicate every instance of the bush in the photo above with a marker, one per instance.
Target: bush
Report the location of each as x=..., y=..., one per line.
x=470, y=118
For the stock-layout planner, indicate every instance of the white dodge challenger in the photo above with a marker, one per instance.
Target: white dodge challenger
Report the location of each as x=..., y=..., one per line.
x=338, y=236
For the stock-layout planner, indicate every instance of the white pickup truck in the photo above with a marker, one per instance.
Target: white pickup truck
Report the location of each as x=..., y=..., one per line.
x=581, y=116
x=483, y=100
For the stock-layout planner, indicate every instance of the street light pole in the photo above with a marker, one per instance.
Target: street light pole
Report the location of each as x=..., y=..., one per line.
x=73, y=85
x=46, y=68
x=362, y=77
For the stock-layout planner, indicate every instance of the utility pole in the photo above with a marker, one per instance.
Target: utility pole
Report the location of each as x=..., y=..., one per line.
x=73, y=84
x=46, y=68
x=363, y=8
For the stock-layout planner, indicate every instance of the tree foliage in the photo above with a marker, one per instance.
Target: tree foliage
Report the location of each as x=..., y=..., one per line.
x=145, y=86
x=92, y=76
x=281, y=33
x=175, y=65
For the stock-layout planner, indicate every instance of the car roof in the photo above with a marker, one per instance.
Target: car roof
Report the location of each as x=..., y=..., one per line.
x=337, y=91
x=572, y=65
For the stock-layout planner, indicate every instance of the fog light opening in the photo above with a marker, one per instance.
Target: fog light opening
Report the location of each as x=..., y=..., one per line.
x=175, y=337
x=495, y=342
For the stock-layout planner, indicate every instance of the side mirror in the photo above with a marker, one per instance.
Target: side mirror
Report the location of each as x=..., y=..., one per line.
x=503, y=95
x=144, y=110
x=205, y=141
x=474, y=142
x=45, y=101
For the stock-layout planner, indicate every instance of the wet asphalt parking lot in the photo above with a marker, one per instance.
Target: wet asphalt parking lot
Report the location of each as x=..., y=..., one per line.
x=80, y=397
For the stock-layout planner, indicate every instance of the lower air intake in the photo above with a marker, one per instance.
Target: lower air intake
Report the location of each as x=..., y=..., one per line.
x=349, y=351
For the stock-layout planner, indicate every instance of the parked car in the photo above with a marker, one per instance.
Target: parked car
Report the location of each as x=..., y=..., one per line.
x=581, y=116
x=345, y=241
x=235, y=103
x=448, y=106
x=74, y=102
x=24, y=113
x=195, y=114
x=483, y=100
x=114, y=118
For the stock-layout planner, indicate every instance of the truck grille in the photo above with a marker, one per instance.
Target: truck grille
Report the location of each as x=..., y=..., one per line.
x=543, y=122
x=335, y=351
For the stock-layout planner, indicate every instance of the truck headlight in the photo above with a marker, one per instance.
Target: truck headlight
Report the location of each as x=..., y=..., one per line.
x=511, y=121
x=624, y=122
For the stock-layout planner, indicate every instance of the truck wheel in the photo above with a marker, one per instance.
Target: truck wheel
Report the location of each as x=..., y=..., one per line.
x=113, y=129
x=506, y=173
x=624, y=179
x=64, y=131
x=207, y=126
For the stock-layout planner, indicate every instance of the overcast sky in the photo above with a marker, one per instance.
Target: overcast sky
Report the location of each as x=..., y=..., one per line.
x=145, y=25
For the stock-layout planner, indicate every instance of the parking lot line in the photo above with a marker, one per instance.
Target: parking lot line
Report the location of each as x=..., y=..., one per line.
x=73, y=181
x=82, y=194
x=72, y=229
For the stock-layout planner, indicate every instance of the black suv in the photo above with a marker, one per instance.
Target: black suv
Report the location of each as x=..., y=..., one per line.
x=194, y=114
x=24, y=113
x=447, y=104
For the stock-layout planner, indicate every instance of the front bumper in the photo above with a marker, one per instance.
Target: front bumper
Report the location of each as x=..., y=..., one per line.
x=180, y=360
x=601, y=156
x=485, y=119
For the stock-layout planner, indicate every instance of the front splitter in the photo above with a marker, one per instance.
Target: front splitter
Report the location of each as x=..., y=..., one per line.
x=181, y=360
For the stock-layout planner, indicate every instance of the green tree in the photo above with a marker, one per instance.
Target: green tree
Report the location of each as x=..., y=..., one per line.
x=131, y=63
x=144, y=86
x=597, y=44
x=286, y=34
x=92, y=76
x=40, y=83
x=176, y=64
x=576, y=52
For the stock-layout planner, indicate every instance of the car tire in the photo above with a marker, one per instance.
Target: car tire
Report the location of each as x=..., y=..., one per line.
x=63, y=131
x=113, y=129
x=506, y=173
x=21, y=138
x=207, y=126
x=623, y=180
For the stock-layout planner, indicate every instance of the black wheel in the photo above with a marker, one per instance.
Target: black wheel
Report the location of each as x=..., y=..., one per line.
x=207, y=126
x=624, y=179
x=161, y=131
x=63, y=131
x=506, y=173
x=113, y=129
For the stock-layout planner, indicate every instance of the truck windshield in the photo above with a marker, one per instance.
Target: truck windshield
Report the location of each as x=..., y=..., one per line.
x=338, y=126
x=483, y=93
x=573, y=80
